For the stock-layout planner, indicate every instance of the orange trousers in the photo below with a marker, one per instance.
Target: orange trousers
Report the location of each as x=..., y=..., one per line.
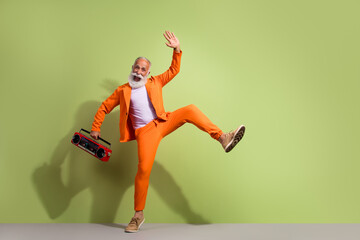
x=148, y=139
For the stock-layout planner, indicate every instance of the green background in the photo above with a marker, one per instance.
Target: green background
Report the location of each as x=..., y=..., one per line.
x=288, y=70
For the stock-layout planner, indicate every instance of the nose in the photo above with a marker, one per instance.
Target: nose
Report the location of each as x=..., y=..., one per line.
x=138, y=71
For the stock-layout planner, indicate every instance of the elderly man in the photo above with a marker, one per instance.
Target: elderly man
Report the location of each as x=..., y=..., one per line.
x=143, y=118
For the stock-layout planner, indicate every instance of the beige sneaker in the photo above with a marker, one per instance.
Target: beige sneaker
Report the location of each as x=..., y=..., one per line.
x=134, y=225
x=232, y=138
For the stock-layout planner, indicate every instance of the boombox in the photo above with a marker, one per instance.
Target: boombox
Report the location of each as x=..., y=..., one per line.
x=92, y=146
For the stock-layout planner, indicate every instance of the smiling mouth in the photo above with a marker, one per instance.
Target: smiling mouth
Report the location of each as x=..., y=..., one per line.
x=137, y=78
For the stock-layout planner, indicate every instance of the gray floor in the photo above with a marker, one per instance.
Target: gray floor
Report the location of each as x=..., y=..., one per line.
x=149, y=231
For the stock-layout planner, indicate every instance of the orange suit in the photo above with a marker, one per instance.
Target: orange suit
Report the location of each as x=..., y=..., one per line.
x=149, y=136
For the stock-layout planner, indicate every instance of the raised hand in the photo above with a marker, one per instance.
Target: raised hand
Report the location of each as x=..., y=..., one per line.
x=173, y=42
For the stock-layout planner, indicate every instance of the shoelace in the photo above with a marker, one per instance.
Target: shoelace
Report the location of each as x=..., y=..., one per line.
x=230, y=134
x=134, y=220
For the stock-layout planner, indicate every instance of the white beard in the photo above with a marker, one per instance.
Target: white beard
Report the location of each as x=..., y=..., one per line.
x=135, y=84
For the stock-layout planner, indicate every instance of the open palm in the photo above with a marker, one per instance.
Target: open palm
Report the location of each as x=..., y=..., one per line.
x=173, y=42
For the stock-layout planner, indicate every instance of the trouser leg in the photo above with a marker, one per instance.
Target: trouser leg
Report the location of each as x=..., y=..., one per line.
x=148, y=140
x=148, y=143
x=190, y=114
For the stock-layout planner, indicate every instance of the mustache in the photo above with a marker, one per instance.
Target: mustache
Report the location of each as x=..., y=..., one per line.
x=137, y=75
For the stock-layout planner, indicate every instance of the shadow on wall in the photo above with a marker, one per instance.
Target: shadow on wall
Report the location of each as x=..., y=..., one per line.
x=107, y=181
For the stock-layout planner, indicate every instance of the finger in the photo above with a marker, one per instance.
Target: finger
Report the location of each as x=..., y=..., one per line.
x=169, y=34
x=168, y=44
x=173, y=35
x=167, y=38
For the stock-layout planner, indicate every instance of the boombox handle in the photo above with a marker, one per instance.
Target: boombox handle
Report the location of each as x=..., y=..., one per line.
x=99, y=137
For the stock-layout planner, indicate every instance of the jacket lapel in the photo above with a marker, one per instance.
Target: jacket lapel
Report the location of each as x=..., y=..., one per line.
x=127, y=95
x=149, y=88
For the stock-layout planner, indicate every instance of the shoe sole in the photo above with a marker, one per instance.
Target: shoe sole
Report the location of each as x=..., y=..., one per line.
x=236, y=139
x=134, y=231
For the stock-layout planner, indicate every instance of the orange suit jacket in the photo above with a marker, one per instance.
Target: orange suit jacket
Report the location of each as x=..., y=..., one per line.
x=122, y=94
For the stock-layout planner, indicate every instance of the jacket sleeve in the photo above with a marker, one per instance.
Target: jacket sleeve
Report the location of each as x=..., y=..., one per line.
x=106, y=107
x=173, y=70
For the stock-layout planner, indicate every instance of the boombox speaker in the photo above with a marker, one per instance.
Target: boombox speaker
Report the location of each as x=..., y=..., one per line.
x=91, y=146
